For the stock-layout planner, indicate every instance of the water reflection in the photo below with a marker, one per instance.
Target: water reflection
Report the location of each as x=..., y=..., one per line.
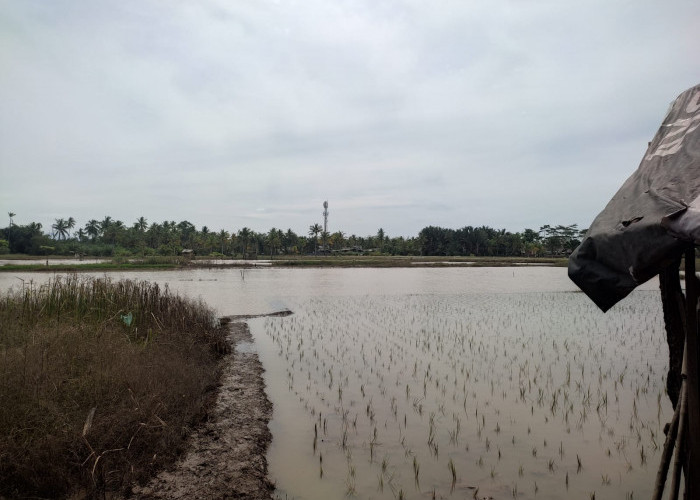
x=264, y=290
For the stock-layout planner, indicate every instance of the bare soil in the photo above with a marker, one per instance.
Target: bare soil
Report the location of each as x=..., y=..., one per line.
x=227, y=453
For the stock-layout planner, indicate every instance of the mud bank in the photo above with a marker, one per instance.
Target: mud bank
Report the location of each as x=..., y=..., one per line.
x=227, y=457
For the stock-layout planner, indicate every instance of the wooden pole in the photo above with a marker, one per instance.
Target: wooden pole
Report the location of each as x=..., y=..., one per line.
x=691, y=374
x=673, y=303
x=679, y=454
x=666, y=454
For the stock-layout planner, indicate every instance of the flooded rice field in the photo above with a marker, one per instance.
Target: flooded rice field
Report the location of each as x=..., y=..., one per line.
x=448, y=383
x=493, y=395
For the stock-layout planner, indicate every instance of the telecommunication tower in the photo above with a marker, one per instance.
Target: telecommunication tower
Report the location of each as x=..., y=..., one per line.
x=325, y=216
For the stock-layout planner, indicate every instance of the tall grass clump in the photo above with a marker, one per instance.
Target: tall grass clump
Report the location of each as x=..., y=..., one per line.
x=99, y=383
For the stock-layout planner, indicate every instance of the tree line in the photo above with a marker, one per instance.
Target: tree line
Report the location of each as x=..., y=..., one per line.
x=109, y=237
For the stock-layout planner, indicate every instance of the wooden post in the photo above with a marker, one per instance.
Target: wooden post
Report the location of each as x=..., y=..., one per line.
x=692, y=479
x=673, y=302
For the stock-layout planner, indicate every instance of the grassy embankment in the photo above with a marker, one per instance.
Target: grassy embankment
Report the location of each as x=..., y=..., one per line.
x=90, y=404
x=413, y=261
x=109, y=264
x=164, y=263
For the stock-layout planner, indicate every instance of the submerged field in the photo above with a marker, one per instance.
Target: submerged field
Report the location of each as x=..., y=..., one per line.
x=447, y=382
x=524, y=395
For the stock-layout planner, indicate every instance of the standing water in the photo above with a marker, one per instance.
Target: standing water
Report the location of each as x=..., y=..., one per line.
x=448, y=383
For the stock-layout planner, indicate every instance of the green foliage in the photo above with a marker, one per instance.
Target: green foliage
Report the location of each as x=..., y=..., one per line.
x=487, y=241
x=109, y=237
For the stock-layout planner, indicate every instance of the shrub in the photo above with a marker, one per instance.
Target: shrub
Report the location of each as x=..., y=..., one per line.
x=99, y=384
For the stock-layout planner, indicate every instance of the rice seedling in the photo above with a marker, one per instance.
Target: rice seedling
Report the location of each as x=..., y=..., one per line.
x=453, y=472
x=416, y=472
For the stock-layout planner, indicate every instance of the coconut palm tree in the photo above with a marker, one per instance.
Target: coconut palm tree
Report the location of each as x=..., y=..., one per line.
x=290, y=240
x=380, y=238
x=273, y=240
x=187, y=233
x=92, y=229
x=141, y=224
x=60, y=229
x=70, y=224
x=324, y=239
x=110, y=229
x=154, y=234
x=244, y=234
x=232, y=243
x=314, y=230
x=105, y=224
x=222, y=237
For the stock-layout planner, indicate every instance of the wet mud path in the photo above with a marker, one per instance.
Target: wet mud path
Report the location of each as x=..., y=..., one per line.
x=227, y=454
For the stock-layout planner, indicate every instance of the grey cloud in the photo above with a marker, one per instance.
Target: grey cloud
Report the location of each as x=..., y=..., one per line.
x=401, y=113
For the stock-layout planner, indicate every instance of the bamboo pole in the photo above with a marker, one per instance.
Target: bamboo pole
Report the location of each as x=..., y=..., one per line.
x=691, y=376
x=686, y=418
x=679, y=455
x=667, y=453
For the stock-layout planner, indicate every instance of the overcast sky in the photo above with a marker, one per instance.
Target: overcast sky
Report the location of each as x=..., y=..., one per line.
x=402, y=114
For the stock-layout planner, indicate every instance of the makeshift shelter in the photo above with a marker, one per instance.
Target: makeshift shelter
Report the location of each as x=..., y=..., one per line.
x=646, y=228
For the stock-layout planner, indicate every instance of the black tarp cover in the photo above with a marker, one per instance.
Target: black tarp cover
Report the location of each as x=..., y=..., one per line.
x=652, y=218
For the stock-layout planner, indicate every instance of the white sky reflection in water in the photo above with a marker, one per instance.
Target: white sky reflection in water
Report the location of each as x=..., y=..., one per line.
x=261, y=290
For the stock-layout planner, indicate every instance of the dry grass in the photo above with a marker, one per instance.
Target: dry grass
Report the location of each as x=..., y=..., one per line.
x=89, y=404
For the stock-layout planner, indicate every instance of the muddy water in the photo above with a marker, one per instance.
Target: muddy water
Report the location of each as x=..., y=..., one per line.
x=384, y=396
x=386, y=381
